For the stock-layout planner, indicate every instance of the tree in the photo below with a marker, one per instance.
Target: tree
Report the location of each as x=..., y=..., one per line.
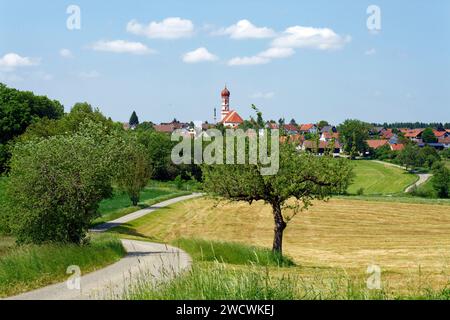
x=133, y=169
x=408, y=156
x=134, y=120
x=19, y=109
x=293, y=122
x=441, y=180
x=55, y=184
x=428, y=136
x=354, y=134
x=301, y=178
x=323, y=123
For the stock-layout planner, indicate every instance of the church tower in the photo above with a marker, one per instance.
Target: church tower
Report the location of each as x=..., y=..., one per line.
x=225, y=103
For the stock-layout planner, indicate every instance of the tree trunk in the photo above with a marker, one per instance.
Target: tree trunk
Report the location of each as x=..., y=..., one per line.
x=280, y=225
x=135, y=200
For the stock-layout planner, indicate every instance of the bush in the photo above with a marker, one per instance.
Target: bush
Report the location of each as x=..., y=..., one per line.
x=134, y=170
x=441, y=180
x=56, y=185
x=360, y=192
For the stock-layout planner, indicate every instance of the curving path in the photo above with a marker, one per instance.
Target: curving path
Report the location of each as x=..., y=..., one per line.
x=156, y=261
x=423, y=177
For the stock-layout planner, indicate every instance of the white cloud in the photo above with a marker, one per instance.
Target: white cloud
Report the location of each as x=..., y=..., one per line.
x=244, y=29
x=89, y=74
x=262, y=95
x=262, y=57
x=248, y=61
x=10, y=61
x=309, y=37
x=66, y=53
x=169, y=28
x=277, y=53
x=199, y=55
x=122, y=46
x=370, y=52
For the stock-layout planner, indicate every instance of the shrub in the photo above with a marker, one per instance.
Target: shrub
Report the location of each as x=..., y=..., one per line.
x=56, y=184
x=441, y=180
x=134, y=170
x=360, y=192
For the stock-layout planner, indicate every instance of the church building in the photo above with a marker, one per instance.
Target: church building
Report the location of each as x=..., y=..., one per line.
x=229, y=118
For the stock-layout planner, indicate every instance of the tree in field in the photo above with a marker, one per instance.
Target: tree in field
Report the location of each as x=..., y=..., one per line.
x=133, y=169
x=441, y=180
x=354, y=134
x=134, y=120
x=428, y=136
x=409, y=155
x=55, y=184
x=302, y=178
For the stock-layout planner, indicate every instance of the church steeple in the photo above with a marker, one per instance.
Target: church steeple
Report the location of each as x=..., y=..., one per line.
x=225, y=102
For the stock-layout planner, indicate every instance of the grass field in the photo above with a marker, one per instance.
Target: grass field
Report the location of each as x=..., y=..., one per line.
x=337, y=240
x=120, y=205
x=30, y=267
x=379, y=179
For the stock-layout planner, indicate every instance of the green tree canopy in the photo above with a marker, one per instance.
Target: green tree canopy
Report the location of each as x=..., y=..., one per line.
x=354, y=133
x=428, y=136
x=19, y=109
x=133, y=168
x=301, y=178
x=56, y=184
x=134, y=120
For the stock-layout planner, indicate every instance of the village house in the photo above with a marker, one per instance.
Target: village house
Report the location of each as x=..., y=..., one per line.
x=309, y=128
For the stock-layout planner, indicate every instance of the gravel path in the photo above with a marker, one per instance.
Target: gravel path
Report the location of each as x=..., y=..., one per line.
x=423, y=177
x=155, y=261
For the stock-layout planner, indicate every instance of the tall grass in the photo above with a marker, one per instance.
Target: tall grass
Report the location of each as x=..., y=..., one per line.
x=29, y=267
x=232, y=253
x=217, y=281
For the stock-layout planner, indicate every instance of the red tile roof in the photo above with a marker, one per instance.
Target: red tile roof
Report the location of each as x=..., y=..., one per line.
x=444, y=140
x=233, y=117
x=297, y=138
x=375, y=144
x=167, y=128
x=331, y=135
x=306, y=127
x=291, y=127
x=387, y=134
x=397, y=147
x=439, y=133
x=413, y=133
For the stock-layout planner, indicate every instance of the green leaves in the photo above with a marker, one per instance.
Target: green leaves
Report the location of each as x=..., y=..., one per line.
x=56, y=184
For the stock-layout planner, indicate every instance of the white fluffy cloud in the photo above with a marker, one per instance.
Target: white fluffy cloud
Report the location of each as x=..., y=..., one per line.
x=122, y=46
x=66, y=53
x=199, y=55
x=277, y=53
x=244, y=29
x=11, y=61
x=169, y=28
x=248, y=61
x=262, y=95
x=262, y=57
x=309, y=37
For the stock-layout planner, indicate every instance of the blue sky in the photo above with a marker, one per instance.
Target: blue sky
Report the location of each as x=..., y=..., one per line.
x=310, y=60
